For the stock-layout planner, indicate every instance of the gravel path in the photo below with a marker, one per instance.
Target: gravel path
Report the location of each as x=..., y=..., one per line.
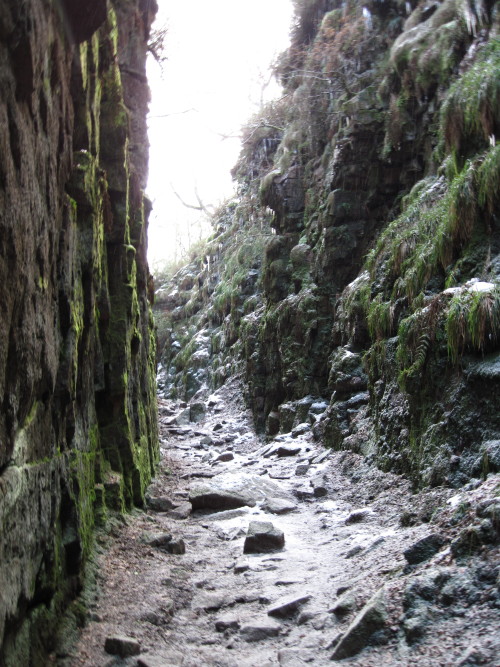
x=176, y=588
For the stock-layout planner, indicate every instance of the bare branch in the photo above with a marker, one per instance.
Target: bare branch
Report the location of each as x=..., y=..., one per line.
x=201, y=205
x=174, y=113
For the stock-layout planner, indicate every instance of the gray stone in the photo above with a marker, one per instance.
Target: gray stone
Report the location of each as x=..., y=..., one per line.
x=182, y=511
x=183, y=418
x=283, y=449
x=241, y=566
x=226, y=515
x=160, y=503
x=263, y=537
x=302, y=469
x=122, y=646
x=288, y=606
x=303, y=492
x=344, y=605
x=424, y=549
x=272, y=423
x=159, y=540
x=257, y=631
x=227, y=623
x=225, y=456
x=301, y=429
x=321, y=457
x=357, y=516
x=356, y=549
x=414, y=626
x=278, y=506
x=370, y=619
x=176, y=547
x=319, y=490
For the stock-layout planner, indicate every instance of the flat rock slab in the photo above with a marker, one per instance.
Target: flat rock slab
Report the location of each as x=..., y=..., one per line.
x=226, y=515
x=263, y=537
x=278, y=506
x=255, y=632
x=211, y=497
x=283, y=449
x=288, y=606
x=122, y=646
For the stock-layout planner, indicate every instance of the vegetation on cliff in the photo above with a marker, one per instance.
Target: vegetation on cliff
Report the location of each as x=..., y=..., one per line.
x=377, y=293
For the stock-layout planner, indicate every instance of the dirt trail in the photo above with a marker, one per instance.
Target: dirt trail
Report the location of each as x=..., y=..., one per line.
x=340, y=582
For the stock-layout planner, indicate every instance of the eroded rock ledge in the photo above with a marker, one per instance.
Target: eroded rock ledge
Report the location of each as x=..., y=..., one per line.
x=78, y=431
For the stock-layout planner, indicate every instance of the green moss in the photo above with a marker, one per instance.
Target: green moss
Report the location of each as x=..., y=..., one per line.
x=488, y=177
x=380, y=318
x=473, y=321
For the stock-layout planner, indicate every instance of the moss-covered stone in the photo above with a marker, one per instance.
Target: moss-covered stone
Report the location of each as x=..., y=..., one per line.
x=77, y=372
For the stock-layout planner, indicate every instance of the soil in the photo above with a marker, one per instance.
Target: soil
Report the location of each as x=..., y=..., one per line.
x=344, y=553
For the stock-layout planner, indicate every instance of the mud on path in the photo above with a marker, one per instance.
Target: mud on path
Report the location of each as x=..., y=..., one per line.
x=340, y=588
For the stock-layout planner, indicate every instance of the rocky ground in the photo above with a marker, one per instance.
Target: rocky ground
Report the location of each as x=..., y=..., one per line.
x=368, y=573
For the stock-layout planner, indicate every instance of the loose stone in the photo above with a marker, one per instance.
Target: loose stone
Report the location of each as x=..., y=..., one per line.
x=181, y=512
x=289, y=606
x=160, y=503
x=369, y=620
x=225, y=456
x=262, y=537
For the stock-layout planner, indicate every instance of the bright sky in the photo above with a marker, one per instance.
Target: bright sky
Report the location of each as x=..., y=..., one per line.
x=218, y=56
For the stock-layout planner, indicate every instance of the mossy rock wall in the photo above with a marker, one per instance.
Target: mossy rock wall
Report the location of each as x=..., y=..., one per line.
x=378, y=292
x=78, y=429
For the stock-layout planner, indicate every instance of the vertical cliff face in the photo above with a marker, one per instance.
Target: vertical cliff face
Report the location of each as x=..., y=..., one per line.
x=376, y=314
x=77, y=354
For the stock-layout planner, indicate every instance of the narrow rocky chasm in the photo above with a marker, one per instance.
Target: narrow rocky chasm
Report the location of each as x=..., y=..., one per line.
x=369, y=573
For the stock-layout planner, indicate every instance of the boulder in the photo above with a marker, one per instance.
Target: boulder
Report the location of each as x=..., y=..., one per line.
x=263, y=537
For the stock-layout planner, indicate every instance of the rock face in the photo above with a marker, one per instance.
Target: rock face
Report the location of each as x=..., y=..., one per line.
x=78, y=431
x=371, y=311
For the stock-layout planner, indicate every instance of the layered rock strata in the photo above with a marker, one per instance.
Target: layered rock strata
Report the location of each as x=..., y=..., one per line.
x=78, y=430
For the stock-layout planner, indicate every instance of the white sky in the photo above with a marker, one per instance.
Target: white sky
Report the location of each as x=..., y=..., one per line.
x=218, y=54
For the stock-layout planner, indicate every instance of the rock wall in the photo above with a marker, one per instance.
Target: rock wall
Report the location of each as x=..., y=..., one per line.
x=78, y=431
x=378, y=293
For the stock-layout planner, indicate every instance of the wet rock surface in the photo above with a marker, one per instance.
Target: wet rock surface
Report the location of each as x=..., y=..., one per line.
x=341, y=587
